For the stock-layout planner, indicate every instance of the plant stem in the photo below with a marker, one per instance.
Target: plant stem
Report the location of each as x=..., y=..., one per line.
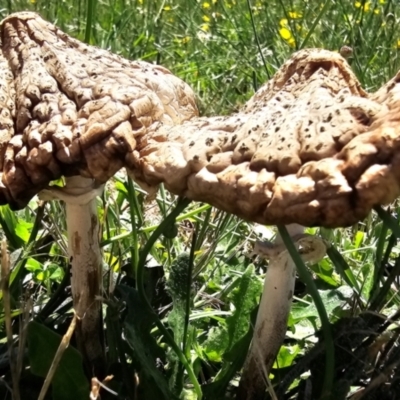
x=257, y=40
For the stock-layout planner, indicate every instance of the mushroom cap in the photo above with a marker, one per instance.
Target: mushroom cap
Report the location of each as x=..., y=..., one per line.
x=71, y=109
x=310, y=147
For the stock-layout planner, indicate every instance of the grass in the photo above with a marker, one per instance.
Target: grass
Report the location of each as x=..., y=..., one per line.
x=194, y=343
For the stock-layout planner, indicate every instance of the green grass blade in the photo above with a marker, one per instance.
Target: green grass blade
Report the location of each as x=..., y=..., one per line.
x=257, y=39
x=89, y=20
x=343, y=268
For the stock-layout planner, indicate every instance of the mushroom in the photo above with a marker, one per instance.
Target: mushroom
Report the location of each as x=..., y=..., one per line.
x=78, y=113
x=311, y=147
x=271, y=324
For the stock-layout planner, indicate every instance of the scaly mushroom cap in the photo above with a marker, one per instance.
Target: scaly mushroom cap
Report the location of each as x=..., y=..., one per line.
x=71, y=109
x=310, y=147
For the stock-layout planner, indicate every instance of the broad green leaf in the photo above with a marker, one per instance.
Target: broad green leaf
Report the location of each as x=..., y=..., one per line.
x=23, y=229
x=368, y=281
x=231, y=344
x=234, y=360
x=217, y=343
x=120, y=187
x=245, y=298
x=178, y=287
x=176, y=320
x=41, y=276
x=325, y=272
x=286, y=356
x=69, y=381
x=33, y=265
x=56, y=274
x=332, y=299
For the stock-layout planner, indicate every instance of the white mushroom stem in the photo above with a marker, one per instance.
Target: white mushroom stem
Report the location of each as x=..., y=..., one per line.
x=271, y=324
x=79, y=195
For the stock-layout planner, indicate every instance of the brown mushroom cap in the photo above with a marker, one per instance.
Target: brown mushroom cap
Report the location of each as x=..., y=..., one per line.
x=310, y=147
x=71, y=109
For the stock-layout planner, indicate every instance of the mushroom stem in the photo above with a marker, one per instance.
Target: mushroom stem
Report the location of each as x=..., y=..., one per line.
x=85, y=256
x=79, y=195
x=273, y=312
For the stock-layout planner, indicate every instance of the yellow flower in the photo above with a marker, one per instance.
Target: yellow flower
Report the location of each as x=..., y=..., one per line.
x=283, y=22
x=366, y=7
x=206, y=18
x=205, y=27
x=140, y=1
x=285, y=33
x=167, y=8
x=295, y=15
x=382, y=1
x=291, y=42
x=206, y=5
x=213, y=1
x=185, y=40
x=398, y=43
x=376, y=11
